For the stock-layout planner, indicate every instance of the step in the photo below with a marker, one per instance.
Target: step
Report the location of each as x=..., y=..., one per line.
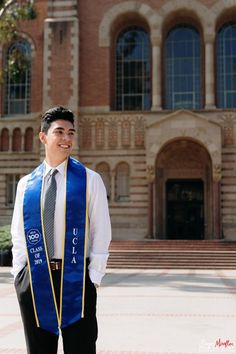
x=175, y=254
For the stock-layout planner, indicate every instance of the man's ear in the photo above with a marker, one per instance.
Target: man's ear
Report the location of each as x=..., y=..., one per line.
x=42, y=137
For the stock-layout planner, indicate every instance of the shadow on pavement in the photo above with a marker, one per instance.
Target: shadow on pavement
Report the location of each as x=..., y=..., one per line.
x=207, y=283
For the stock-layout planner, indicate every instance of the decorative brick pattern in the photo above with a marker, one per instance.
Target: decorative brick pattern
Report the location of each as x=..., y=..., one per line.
x=139, y=132
x=228, y=129
x=112, y=133
x=126, y=132
x=86, y=134
x=100, y=133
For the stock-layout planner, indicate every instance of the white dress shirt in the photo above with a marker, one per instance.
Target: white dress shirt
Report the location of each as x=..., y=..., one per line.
x=99, y=235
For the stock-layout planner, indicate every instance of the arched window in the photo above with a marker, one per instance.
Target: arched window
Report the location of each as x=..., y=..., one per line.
x=17, y=83
x=16, y=140
x=226, y=66
x=183, y=68
x=104, y=170
x=11, y=186
x=29, y=139
x=122, y=182
x=133, y=79
x=4, y=140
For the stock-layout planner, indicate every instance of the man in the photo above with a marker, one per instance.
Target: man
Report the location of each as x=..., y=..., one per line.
x=61, y=233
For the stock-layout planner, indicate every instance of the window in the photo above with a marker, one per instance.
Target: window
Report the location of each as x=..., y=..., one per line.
x=12, y=181
x=183, y=68
x=122, y=182
x=226, y=66
x=104, y=170
x=17, y=84
x=133, y=70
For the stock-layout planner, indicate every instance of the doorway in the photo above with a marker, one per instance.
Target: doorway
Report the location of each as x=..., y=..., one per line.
x=185, y=209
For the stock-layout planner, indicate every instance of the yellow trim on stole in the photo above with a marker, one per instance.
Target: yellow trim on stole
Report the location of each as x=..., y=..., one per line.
x=30, y=277
x=63, y=246
x=85, y=244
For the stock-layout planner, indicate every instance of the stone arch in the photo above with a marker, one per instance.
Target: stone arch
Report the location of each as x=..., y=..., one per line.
x=198, y=11
x=223, y=11
x=187, y=161
x=141, y=9
x=27, y=38
x=186, y=125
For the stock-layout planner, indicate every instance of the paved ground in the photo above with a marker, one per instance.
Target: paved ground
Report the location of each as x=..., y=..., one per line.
x=155, y=312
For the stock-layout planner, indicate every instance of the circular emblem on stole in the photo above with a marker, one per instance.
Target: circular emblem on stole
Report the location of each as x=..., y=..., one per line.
x=33, y=236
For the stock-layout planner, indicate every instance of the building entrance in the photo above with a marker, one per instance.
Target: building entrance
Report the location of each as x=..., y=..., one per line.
x=185, y=209
x=184, y=192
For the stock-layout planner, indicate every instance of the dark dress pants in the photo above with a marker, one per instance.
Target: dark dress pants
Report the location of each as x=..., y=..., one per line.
x=78, y=338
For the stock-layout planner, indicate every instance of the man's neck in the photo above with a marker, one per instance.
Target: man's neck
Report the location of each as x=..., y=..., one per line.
x=53, y=162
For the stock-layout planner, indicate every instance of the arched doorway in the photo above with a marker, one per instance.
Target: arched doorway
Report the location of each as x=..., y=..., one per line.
x=184, y=191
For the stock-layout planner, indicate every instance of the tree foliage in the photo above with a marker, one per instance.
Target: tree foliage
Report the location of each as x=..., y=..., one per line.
x=5, y=237
x=11, y=11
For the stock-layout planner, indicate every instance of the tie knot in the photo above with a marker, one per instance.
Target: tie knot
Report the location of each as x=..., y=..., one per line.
x=53, y=172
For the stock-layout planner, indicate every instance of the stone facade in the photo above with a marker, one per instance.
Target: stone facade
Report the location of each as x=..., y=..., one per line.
x=137, y=153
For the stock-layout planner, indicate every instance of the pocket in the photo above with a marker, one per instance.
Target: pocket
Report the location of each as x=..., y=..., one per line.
x=19, y=276
x=22, y=285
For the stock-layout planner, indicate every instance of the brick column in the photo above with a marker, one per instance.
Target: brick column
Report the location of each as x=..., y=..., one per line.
x=150, y=178
x=61, y=56
x=217, y=201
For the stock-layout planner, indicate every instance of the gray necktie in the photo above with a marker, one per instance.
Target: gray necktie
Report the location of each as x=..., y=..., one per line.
x=49, y=212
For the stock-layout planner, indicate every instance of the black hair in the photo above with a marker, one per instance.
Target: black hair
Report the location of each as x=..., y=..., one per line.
x=56, y=113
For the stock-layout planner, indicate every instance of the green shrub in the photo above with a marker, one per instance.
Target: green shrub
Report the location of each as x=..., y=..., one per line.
x=5, y=237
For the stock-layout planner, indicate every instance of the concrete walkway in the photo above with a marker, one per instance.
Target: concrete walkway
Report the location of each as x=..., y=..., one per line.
x=155, y=311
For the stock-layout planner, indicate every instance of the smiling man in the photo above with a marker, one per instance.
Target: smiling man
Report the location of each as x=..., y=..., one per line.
x=61, y=233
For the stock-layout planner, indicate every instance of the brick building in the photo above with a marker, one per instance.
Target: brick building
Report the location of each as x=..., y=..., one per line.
x=153, y=84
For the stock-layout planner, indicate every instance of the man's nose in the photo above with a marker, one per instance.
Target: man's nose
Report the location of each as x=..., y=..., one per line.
x=67, y=137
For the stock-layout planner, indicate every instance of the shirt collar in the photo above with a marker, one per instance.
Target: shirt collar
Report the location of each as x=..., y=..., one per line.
x=60, y=168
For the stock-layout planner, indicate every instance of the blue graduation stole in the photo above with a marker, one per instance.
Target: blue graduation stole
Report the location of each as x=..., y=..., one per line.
x=47, y=315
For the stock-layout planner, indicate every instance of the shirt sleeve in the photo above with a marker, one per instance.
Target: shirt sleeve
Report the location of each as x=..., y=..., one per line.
x=17, y=231
x=99, y=227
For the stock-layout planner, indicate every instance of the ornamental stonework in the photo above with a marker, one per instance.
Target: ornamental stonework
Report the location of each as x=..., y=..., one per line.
x=113, y=131
x=139, y=132
x=100, y=138
x=112, y=136
x=126, y=132
x=86, y=134
x=217, y=172
x=150, y=173
x=228, y=120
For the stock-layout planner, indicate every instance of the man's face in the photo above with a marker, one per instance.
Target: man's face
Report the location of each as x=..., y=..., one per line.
x=58, y=141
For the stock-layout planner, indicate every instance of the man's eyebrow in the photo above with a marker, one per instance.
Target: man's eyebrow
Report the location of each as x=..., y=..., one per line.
x=61, y=128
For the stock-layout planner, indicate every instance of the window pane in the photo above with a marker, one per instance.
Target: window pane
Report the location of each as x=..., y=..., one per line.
x=133, y=70
x=183, y=68
x=122, y=182
x=226, y=66
x=17, y=86
x=12, y=181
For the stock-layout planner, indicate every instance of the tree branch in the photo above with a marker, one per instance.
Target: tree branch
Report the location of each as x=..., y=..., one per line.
x=6, y=6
